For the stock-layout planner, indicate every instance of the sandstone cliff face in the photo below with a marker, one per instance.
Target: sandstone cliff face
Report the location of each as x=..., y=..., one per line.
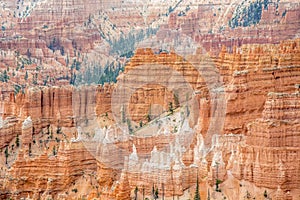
x=9, y=125
x=251, y=75
x=103, y=99
x=267, y=156
x=258, y=67
x=157, y=81
x=271, y=155
x=27, y=175
x=59, y=106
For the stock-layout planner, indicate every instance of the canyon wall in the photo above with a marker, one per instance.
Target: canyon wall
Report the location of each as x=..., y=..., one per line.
x=270, y=157
x=248, y=75
x=27, y=175
x=251, y=75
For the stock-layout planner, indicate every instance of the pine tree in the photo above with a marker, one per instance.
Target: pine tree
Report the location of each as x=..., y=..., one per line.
x=153, y=190
x=28, y=53
x=135, y=192
x=26, y=76
x=6, y=154
x=197, y=195
x=265, y=194
x=54, y=150
x=171, y=110
x=156, y=194
x=4, y=77
x=17, y=141
x=29, y=149
x=130, y=129
x=208, y=195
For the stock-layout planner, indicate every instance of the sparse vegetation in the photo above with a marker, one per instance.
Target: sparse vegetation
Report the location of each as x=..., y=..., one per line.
x=155, y=193
x=265, y=194
x=248, y=195
x=55, y=44
x=35, y=79
x=130, y=129
x=4, y=76
x=6, y=154
x=54, y=151
x=248, y=15
x=76, y=65
x=208, y=195
x=58, y=130
x=218, y=182
x=125, y=45
x=171, y=109
x=98, y=74
x=197, y=194
x=26, y=75
x=75, y=190
x=29, y=149
x=135, y=192
x=17, y=89
x=17, y=141
x=28, y=54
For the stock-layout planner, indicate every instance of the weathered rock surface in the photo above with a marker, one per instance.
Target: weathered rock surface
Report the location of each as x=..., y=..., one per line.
x=50, y=43
x=271, y=155
x=251, y=75
x=48, y=175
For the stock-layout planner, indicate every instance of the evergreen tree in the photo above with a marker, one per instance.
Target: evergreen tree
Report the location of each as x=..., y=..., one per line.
x=197, y=195
x=54, y=150
x=73, y=78
x=35, y=79
x=62, y=51
x=17, y=141
x=265, y=194
x=129, y=126
x=6, y=154
x=208, y=195
x=153, y=190
x=5, y=76
x=218, y=182
x=171, y=107
x=26, y=76
x=135, y=192
x=156, y=194
x=28, y=53
x=148, y=118
x=29, y=149
x=149, y=114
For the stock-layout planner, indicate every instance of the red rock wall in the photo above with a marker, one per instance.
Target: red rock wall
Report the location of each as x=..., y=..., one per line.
x=251, y=75
x=52, y=174
x=271, y=155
